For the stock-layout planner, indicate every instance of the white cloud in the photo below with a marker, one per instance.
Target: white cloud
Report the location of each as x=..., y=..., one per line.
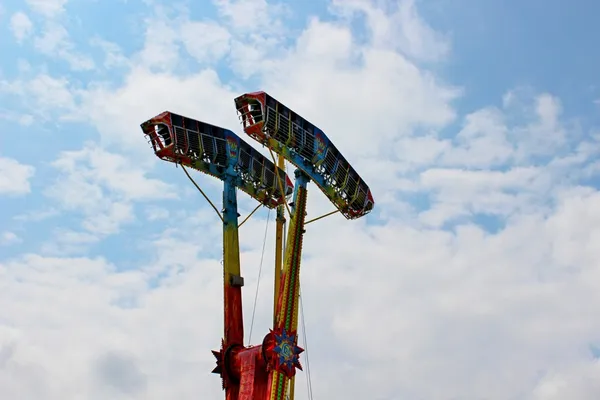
x=14, y=177
x=198, y=96
x=397, y=25
x=21, y=26
x=43, y=96
x=205, y=41
x=7, y=238
x=113, y=55
x=69, y=242
x=578, y=382
x=356, y=90
x=103, y=186
x=48, y=8
x=92, y=296
x=483, y=141
x=543, y=113
x=154, y=213
x=22, y=119
x=55, y=42
x=493, y=164
x=460, y=192
x=459, y=298
x=545, y=135
x=391, y=306
x=161, y=49
x=36, y=215
x=252, y=15
x=113, y=172
x=466, y=298
x=109, y=223
x=526, y=127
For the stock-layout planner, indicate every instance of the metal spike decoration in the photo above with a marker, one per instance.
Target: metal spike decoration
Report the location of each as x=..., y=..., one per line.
x=219, y=369
x=286, y=351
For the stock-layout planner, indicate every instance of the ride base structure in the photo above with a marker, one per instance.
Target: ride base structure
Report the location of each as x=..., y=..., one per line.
x=265, y=371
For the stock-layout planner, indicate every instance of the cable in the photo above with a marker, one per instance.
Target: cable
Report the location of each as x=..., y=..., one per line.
x=321, y=217
x=203, y=194
x=280, y=184
x=249, y=215
x=308, y=377
x=259, y=273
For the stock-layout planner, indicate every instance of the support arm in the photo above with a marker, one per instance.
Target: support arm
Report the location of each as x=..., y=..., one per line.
x=233, y=281
x=278, y=247
x=282, y=346
x=233, y=338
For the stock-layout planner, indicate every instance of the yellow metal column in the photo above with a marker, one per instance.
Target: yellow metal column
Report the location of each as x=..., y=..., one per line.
x=286, y=319
x=279, y=264
x=233, y=282
x=278, y=246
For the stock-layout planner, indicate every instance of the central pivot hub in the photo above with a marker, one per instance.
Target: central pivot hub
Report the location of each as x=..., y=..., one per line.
x=282, y=352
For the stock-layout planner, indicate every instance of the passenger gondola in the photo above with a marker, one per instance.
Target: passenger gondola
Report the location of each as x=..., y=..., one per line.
x=308, y=148
x=212, y=150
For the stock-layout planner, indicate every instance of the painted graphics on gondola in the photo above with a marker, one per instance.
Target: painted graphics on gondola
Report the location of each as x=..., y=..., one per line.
x=233, y=146
x=320, y=145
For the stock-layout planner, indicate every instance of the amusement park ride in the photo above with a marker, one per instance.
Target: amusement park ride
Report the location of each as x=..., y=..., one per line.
x=265, y=371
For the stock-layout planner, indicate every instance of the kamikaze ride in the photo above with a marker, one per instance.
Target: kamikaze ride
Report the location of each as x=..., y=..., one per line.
x=265, y=371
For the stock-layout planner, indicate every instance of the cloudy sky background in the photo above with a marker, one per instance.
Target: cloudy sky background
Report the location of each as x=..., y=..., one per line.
x=476, y=124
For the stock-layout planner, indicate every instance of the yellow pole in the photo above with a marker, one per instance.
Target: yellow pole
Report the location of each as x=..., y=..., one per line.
x=279, y=263
x=233, y=282
x=278, y=247
x=287, y=310
x=292, y=386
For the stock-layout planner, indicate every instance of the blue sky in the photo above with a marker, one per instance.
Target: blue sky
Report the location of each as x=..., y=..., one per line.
x=505, y=44
x=475, y=123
